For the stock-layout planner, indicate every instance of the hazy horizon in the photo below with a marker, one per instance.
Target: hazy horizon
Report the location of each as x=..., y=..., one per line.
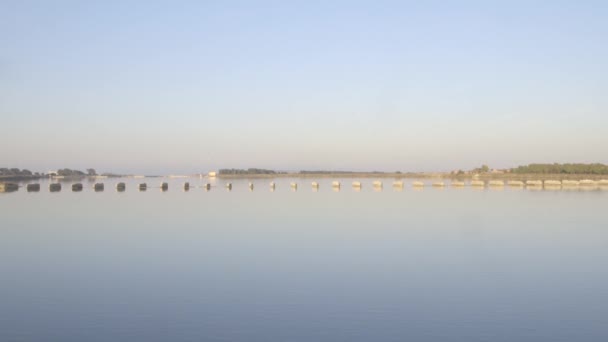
x=162, y=88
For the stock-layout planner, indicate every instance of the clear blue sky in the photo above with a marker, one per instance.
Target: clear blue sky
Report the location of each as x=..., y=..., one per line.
x=158, y=87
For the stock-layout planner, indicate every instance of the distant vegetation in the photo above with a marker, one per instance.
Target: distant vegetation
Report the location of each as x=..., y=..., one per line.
x=250, y=171
x=593, y=169
x=305, y=172
x=76, y=173
x=14, y=172
x=89, y=173
x=17, y=173
x=70, y=173
x=483, y=169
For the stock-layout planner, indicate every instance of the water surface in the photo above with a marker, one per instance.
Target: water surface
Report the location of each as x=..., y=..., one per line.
x=419, y=265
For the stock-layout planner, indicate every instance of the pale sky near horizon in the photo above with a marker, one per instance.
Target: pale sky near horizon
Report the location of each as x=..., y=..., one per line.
x=179, y=87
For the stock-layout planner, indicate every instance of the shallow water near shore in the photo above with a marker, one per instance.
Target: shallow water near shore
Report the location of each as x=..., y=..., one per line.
x=431, y=264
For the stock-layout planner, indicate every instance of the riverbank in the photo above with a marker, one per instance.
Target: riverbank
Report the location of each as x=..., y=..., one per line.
x=20, y=178
x=422, y=175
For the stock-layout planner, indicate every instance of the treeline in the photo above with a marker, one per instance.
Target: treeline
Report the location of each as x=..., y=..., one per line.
x=76, y=173
x=306, y=172
x=14, y=172
x=323, y=172
x=593, y=169
x=250, y=171
x=70, y=173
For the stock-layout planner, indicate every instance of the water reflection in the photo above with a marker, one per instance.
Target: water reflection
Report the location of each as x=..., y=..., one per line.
x=229, y=265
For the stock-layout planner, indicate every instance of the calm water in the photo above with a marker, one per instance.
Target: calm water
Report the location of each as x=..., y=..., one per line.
x=430, y=265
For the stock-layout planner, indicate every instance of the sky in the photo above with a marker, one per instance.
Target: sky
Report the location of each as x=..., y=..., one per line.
x=185, y=87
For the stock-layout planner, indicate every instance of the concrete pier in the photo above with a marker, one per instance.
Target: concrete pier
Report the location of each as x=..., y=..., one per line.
x=9, y=187
x=335, y=186
x=478, y=184
x=496, y=183
x=376, y=185
x=515, y=183
x=570, y=183
x=587, y=182
x=553, y=183
x=534, y=183
x=34, y=187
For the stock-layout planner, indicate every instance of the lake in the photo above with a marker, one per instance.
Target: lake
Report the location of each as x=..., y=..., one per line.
x=413, y=265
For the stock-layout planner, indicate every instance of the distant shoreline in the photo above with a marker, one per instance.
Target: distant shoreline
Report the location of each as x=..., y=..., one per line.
x=351, y=175
x=60, y=178
x=20, y=178
x=423, y=175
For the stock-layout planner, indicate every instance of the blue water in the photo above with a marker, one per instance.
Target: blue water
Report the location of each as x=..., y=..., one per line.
x=412, y=265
